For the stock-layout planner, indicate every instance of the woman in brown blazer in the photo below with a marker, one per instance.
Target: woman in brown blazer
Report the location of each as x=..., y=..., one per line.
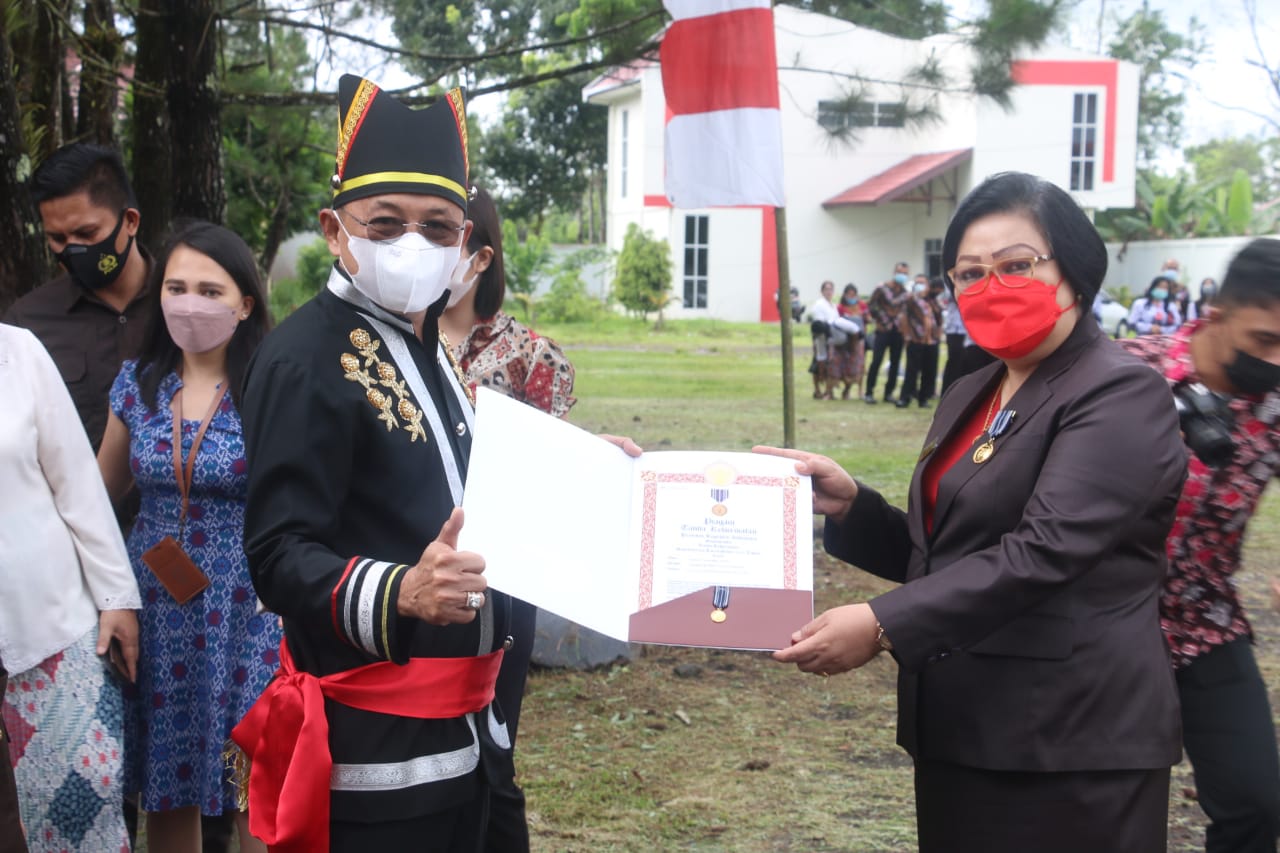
x=1035, y=693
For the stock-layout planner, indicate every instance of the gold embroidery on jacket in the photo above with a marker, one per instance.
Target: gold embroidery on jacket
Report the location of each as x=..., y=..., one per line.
x=383, y=375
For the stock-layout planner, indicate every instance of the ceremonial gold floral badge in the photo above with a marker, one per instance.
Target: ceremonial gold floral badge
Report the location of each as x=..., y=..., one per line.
x=398, y=402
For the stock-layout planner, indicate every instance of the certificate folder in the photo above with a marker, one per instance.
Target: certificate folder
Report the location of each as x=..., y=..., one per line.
x=754, y=619
x=635, y=548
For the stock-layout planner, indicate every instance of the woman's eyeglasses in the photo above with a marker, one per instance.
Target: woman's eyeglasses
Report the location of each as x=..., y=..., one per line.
x=968, y=274
x=389, y=228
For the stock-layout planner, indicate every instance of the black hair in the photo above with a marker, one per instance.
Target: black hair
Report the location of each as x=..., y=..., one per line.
x=1253, y=277
x=1073, y=241
x=1160, y=281
x=847, y=288
x=486, y=230
x=1206, y=299
x=81, y=167
x=160, y=355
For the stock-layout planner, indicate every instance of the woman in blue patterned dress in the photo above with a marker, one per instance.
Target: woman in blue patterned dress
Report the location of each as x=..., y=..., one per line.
x=205, y=661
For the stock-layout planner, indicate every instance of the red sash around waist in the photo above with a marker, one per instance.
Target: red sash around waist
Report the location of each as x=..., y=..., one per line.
x=286, y=735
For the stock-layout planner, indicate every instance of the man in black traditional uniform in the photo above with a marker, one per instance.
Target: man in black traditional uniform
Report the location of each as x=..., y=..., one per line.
x=357, y=430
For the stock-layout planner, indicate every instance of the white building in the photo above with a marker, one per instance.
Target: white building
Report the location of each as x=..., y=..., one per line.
x=853, y=210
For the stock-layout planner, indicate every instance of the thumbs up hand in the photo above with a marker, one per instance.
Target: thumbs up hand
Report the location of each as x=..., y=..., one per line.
x=446, y=586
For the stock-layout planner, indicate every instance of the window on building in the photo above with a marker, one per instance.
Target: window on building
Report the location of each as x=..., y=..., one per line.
x=622, y=175
x=835, y=115
x=933, y=257
x=1084, y=135
x=695, y=261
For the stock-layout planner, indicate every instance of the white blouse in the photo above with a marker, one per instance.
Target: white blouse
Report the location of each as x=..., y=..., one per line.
x=62, y=558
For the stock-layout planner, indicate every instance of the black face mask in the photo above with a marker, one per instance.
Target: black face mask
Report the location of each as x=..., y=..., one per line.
x=95, y=266
x=1251, y=375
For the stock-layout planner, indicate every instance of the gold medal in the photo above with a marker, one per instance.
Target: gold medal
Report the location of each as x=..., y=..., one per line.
x=720, y=602
x=984, y=451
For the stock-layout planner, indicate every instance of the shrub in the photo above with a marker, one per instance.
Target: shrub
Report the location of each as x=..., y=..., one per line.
x=643, y=282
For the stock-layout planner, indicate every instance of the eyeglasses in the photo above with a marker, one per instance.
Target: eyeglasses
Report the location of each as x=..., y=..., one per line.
x=389, y=228
x=969, y=274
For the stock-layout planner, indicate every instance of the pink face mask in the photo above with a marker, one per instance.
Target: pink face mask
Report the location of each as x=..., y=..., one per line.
x=197, y=323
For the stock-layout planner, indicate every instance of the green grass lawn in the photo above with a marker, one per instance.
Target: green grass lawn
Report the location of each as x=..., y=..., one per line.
x=747, y=754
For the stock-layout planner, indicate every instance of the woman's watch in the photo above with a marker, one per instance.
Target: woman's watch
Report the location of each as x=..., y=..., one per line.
x=881, y=640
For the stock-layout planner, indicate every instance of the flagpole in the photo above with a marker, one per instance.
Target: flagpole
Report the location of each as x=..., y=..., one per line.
x=784, y=312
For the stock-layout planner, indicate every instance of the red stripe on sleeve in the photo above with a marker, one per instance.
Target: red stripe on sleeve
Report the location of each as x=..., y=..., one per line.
x=333, y=596
x=720, y=62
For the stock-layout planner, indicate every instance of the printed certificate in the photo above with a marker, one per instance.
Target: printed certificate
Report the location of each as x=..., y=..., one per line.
x=681, y=547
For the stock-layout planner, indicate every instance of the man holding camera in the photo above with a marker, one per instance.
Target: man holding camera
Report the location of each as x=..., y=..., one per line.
x=1224, y=371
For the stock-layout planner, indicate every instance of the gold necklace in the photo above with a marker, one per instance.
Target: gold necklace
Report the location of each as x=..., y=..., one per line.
x=988, y=447
x=457, y=369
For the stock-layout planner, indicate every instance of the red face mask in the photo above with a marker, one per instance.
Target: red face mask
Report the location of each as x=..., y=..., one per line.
x=1010, y=322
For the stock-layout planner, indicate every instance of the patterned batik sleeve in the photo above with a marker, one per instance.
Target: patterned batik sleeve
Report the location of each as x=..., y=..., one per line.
x=549, y=386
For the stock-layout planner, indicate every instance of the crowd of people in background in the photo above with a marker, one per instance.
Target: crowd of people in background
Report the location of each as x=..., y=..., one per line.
x=903, y=315
x=916, y=316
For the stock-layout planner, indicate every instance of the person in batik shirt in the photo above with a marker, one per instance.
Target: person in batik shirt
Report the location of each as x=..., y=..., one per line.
x=1234, y=351
x=495, y=351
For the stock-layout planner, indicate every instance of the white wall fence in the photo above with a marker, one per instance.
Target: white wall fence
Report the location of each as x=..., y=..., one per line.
x=1134, y=265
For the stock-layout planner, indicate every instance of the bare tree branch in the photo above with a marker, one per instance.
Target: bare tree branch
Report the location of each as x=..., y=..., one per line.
x=508, y=49
x=407, y=96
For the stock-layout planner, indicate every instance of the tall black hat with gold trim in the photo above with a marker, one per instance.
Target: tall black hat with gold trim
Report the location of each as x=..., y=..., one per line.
x=386, y=147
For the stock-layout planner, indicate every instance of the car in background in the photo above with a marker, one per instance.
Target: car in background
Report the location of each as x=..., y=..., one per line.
x=1112, y=316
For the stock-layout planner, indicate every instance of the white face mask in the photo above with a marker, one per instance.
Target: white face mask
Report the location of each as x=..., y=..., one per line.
x=404, y=275
x=459, y=283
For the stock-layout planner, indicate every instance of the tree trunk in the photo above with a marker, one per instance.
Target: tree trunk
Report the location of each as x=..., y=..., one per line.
x=195, y=129
x=45, y=67
x=276, y=230
x=152, y=168
x=602, y=196
x=25, y=262
x=177, y=150
x=591, y=209
x=98, y=99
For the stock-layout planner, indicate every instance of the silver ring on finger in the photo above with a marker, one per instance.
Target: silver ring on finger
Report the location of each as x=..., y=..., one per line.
x=475, y=600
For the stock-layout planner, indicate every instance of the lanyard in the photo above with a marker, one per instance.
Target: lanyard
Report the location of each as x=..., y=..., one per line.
x=184, y=478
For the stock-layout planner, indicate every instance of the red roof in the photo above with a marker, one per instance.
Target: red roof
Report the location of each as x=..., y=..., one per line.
x=897, y=181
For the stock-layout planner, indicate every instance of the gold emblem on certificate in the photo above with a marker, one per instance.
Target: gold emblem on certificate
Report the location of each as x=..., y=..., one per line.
x=719, y=475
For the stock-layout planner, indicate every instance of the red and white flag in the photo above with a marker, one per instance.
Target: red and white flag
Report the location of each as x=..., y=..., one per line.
x=724, y=127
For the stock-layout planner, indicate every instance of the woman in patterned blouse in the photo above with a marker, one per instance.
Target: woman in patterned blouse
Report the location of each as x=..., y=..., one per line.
x=496, y=351
x=492, y=348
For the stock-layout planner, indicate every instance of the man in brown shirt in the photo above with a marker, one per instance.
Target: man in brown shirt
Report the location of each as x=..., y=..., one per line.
x=917, y=323
x=91, y=317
